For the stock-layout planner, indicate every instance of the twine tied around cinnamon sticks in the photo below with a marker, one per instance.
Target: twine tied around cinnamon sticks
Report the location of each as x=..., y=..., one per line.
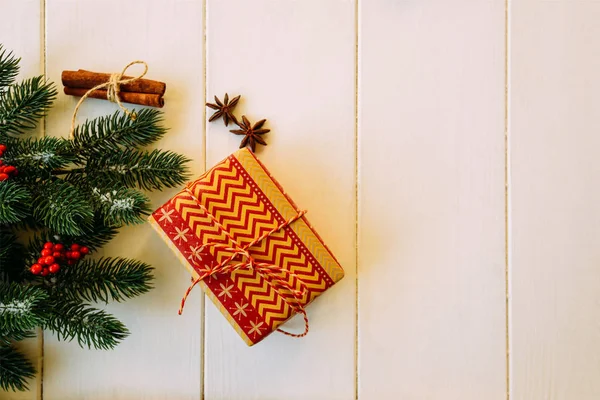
x=115, y=87
x=270, y=272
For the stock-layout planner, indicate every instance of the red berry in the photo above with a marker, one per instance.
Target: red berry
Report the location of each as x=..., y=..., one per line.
x=1, y=162
x=59, y=247
x=36, y=269
x=3, y=177
x=46, y=252
x=57, y=254
x=9, y=170
x=48, y=245
x=71, y=262
x=2, y=147
x=49, y=260
x=41, y=260
x=84, y=250
x=45, y=272
x=75, y=255
x=54, y=268
x=69, y=254
x=75, y=247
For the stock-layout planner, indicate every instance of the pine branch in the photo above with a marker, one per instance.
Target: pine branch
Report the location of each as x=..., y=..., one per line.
x=110, y=133
x=121, y=206
x=20, y=307
x=91, y=327
x=106, y=279
x=8, y=241
x=15, y=369
x=95, y=235
x=7, y=337
x=24, y=103
x=157, y=169
x=15, y=201
x=63, y=208
x=38, y=157
x=9, y=68
x=11, y=256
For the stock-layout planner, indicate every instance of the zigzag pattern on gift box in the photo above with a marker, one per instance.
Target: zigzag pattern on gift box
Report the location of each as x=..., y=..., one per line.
x=280, y=250
x=236, y=205
x=198, y=221
x=228, y=196
x=267, y=183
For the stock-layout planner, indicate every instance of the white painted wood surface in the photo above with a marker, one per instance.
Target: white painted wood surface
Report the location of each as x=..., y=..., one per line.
x=555, y=147
x=388, y=125
x=431, y=166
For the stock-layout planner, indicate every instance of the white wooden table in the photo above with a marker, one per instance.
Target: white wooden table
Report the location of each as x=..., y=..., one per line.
x=448, y=152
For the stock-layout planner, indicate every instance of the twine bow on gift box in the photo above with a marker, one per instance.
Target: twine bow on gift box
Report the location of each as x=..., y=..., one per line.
x=270, y=272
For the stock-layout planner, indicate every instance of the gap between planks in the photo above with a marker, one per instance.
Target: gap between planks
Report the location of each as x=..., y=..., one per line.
x=43, y=25
x=204, y=140
x=507, y=171
x=356, y=187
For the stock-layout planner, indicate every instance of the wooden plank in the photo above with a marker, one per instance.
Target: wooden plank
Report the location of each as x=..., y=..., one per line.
x=431, y=200
x=293, y=63
x=161, y=359
x=22, y=33
x=555, y=338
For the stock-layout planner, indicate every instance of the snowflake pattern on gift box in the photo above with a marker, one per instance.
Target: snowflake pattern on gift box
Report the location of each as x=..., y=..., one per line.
x=255, y=328
x=225, y=289
x=181, y=234
x=240, y=309
x=166, y=215
x=195, y=253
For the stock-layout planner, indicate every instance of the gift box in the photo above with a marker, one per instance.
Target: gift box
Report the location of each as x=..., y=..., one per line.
x=248, y=246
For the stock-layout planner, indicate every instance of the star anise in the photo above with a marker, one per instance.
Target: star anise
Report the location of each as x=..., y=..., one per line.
x=224, y=109
x=251, y=132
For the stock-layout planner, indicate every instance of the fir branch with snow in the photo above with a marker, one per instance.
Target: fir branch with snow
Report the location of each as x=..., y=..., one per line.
x=69, y=197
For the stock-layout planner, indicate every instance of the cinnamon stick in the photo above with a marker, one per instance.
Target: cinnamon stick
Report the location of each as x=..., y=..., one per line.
x=87, y=79
x=144, y=99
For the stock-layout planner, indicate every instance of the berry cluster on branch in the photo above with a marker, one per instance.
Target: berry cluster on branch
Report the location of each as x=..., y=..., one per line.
x=6, y=171
x=55, y=254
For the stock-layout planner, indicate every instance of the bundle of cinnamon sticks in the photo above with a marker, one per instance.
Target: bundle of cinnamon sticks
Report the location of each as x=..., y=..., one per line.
x=144, y=92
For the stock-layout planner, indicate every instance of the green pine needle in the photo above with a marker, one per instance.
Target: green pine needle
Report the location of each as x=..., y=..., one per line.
x=91, y=327
x=15, y=369
x=121, y=206
x=20, y=307
x=7, y=337
x=95, y=235
x=156, y=169
x=109, y=133
x=24, y=103
x=37, y=157
x=106, y=279
x=15, y=201
x=9, y=68
x=8, y=241
x=63, y=208
x=12, y=254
